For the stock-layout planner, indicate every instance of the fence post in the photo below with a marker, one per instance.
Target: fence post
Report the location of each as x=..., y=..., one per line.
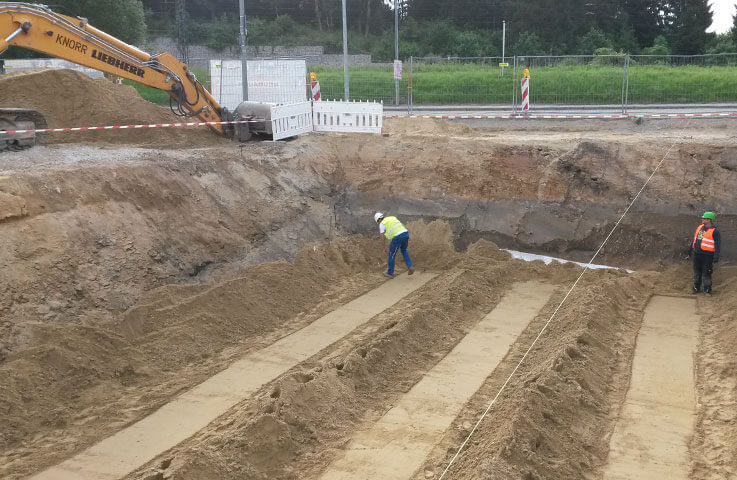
x=222, y=67
x=410, y=99
x=624, y=80
x=514, y=87
x=627, y=88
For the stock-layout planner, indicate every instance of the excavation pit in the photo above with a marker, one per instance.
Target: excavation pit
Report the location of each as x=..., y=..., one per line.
x=134, y=274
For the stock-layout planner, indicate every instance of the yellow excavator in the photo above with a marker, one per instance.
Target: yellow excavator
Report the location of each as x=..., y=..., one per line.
x=36, y=27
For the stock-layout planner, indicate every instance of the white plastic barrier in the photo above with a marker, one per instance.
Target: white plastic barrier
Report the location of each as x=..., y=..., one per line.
x=280, y=81
x=291, y=120
x=350, y=117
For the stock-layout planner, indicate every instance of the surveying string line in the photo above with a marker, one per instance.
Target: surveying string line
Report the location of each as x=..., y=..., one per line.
x=534, y=342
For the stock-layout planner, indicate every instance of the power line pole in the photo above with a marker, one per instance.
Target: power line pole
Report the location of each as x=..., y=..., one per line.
x=345, y=53
x=181, y=17
x=244, y=45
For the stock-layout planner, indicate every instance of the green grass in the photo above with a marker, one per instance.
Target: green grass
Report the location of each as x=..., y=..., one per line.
x=578, y=85
x=461, y=83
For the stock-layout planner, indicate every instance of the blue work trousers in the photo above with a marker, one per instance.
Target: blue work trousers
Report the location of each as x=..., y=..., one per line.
x=399, y=242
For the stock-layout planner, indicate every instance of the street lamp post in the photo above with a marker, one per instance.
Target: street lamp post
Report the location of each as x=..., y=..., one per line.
x=396, y=48
x=345, y=53
x=504, y=41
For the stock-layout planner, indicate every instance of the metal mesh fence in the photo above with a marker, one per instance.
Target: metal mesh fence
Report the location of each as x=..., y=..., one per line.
x=575, y=80
x=663, y=79
x=373, y=82
x=613, y=81
x=461, y=81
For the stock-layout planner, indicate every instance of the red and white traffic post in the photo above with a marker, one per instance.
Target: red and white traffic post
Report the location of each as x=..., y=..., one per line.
x=314, y=87
x=526, y=92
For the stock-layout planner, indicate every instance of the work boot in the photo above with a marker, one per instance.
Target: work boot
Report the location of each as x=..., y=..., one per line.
x=388, y=275
x=411, y=271
x=694, y=290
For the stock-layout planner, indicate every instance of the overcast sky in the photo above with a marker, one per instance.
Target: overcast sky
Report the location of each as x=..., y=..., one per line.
x=723, y=11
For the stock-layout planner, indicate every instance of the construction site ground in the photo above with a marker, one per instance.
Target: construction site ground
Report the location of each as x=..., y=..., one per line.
x=178, y=306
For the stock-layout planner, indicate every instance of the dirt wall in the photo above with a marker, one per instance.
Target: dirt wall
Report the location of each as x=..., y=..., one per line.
x=84, y=241
x=545, y=192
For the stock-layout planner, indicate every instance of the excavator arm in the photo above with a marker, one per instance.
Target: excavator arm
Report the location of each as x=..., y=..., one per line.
x=36, y=27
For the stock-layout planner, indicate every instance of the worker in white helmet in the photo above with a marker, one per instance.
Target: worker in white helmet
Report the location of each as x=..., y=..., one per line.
x=391, y=228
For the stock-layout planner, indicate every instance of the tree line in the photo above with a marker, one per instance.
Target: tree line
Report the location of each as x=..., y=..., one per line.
x=428, y=27
x=444, y=27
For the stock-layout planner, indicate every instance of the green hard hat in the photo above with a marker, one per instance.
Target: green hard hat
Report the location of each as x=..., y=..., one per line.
x=710, y=216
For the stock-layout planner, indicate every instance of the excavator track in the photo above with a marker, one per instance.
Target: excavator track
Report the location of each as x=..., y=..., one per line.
x=20, y=119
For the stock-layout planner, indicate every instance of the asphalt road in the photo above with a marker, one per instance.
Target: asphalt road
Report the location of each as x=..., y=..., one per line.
x=393, y=110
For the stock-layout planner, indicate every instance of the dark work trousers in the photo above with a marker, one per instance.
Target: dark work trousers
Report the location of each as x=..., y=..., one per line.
x=398, y=243
x=703, y=265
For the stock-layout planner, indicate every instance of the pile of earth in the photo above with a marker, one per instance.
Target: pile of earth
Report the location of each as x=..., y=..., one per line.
x=67, y=98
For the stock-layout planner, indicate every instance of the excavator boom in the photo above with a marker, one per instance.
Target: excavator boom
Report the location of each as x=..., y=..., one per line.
x=36, y=27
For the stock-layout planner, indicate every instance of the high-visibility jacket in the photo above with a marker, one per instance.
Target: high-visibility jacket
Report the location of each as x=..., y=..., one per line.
x=393, y=227
x=707, y=238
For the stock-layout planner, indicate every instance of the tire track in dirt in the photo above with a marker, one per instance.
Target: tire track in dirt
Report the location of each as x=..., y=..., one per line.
x=659, y=413
x=120, y=454
x=399, y=442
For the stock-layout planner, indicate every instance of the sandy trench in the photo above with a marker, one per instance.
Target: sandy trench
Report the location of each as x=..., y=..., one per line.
x=176, y=421
x=399, y=442
x=658, y=416
x=134, y=271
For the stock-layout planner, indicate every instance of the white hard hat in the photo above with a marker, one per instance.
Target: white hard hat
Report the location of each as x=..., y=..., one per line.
x=378, y=216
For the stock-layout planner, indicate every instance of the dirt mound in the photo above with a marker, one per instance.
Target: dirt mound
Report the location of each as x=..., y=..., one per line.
x=63, y=369
x=715, y=441
x=431, y=244
x=426, y=126
x=71, y=99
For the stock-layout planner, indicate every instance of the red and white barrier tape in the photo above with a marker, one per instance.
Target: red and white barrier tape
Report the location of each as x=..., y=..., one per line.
x=577, y=116
x=444, y=117
x=124, y=127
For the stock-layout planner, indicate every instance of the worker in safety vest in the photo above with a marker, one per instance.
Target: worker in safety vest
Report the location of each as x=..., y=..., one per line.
x=705, y=248
x=391, y=228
